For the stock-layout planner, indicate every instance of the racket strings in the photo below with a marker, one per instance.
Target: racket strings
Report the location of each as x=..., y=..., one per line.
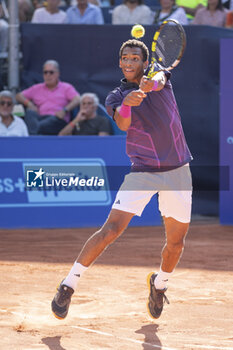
x=169, y=46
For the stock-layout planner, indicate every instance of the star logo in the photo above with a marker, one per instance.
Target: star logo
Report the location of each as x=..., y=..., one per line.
x=35, y=178
x=39, y=174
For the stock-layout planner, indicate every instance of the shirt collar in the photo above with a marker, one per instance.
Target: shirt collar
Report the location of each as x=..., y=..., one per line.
x=125, y=85
x=45, y=86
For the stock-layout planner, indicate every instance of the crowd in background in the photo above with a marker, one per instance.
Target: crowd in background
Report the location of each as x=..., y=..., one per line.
x=56, y=119
x=147, y=12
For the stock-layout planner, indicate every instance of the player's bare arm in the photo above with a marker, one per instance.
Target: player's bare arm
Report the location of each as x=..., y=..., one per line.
x=134, y=98
x=147, y=85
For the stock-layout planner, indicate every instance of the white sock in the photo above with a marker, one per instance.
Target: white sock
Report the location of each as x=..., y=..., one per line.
x=74, y=275
x=161, y=279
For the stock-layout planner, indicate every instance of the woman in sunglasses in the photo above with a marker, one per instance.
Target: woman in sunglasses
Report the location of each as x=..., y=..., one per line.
x=10, y=125
x=49, y=103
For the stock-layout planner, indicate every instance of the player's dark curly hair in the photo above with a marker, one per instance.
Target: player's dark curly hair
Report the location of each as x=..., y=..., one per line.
x=135, y=43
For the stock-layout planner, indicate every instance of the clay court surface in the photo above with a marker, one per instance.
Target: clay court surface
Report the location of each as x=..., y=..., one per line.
x=108, y=312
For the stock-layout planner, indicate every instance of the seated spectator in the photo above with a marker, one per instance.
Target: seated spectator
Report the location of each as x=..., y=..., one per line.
x=84, y=13
x=94, y=2
x=25, y=10
x=191, y=6
x=87, y=122
x=10, y=125
x=48, y=103
x=229, y=20
x=170, y=11
x=213, y=15
x=49, y=14
x=132, y=12
x=37, y=3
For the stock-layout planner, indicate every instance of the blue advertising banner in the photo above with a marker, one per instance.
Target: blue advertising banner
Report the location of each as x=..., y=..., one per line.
x=226, y=129
x=63, y=181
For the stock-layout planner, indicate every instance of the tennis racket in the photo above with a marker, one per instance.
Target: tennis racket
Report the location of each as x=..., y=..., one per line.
x=167, y=47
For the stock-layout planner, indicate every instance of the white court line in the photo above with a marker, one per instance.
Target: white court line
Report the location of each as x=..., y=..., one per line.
x=123, y=338
x=189, y=346
x=210, y=347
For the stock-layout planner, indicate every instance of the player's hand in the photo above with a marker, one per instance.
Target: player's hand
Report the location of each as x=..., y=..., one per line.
x=146, y=84
x=134, y=98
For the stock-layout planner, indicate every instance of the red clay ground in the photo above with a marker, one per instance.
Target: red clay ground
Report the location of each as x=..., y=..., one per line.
x=109, y=310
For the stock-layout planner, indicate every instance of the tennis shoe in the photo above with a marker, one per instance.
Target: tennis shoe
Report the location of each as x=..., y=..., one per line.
x=61, y=301
x=156, y=299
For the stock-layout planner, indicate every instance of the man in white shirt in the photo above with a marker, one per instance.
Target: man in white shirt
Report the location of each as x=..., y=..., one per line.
x=132, y=12
x=84, y=13
x=10, y=125
x=51, y=14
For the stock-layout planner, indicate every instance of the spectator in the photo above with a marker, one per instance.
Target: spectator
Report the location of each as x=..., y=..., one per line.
x=10, y=125
x=84, y=13
x=191, y=6
x=94, y=2
x=213, y=15
x=48, y=103
x=170, y=11
x=25, y=10
x=132, y=12
x=87, y=122
x=37, y=3
x=50, y=14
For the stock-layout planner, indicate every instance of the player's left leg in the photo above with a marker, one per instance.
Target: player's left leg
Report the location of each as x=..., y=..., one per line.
x=175, y=239
x=175, y=206
x=171, y=253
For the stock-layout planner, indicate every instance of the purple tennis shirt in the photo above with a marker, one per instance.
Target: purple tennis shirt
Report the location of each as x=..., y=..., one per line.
x=155, y=139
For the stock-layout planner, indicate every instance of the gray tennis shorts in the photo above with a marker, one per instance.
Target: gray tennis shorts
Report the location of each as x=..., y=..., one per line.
x=174, y=190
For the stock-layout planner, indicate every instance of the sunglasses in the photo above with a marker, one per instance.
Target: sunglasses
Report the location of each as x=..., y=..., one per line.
x=51, y=72
x=7, y=103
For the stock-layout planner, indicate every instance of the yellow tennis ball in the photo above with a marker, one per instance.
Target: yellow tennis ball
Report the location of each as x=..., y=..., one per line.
x=137, y=31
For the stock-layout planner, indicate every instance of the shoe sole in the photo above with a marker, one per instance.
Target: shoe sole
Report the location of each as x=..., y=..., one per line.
x=147, y=304
x=59, y=318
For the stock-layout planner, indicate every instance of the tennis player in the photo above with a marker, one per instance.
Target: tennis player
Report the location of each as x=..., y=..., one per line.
x=160, y=158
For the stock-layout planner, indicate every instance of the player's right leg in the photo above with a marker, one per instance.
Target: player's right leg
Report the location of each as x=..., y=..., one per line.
x=115, y=225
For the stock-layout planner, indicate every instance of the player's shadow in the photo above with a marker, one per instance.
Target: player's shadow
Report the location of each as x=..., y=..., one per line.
x=53, y=343
x=151, y=339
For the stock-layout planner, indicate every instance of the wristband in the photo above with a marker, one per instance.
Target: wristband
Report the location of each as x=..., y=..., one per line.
x=155, y=86
x=65, y=110
x=125, y=111
x=72, y=124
